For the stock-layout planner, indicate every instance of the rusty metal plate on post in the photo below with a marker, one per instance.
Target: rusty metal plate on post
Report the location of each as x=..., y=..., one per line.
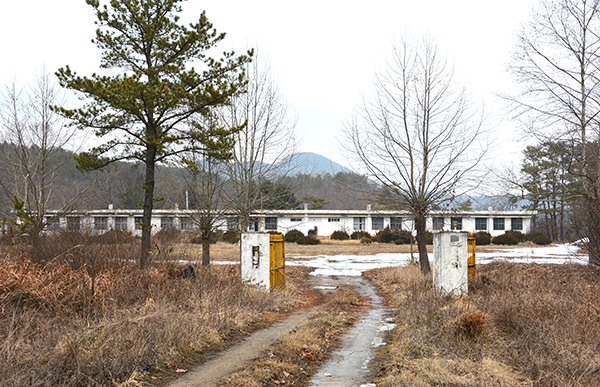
x=277, y=262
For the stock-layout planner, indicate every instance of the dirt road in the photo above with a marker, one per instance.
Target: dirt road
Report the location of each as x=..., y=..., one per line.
x=348, y=366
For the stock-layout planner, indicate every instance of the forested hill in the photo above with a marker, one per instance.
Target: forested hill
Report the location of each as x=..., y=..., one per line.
x=121, y=183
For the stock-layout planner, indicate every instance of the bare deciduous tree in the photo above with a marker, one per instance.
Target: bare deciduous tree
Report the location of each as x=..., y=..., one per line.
x=557, y=62
x=205, y=180
x=264, y=148
x=418, y=134
x=32, y=151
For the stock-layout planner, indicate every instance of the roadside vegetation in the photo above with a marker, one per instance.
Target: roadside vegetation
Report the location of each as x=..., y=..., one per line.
x=520, y=325
x=90, y=316
x=298, y=356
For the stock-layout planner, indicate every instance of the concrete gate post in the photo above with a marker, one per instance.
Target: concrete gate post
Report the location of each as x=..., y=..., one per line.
x=255, y=259
x=450, y=255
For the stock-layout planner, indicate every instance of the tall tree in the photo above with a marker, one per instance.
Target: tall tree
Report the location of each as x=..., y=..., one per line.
x=148, y=110
x=418, y=134
x=264, y=148
x=548, y=184
x=557, y=61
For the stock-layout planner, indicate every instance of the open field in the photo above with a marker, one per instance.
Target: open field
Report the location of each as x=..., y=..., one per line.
x=520, y=325
x=223, y=251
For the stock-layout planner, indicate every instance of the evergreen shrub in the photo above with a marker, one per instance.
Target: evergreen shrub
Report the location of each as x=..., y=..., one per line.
x=483, y=238
x=308, y=240
x=340, y=235
x=293, y=235
x=358, y=235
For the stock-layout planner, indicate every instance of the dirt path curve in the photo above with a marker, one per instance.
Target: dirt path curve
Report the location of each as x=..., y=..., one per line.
x=348, y=366
x=236, y=357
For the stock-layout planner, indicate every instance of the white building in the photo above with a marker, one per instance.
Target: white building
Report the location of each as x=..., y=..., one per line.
x=325, y=221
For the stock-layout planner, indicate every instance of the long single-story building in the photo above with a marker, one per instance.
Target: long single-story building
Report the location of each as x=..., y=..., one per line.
x=323, y=222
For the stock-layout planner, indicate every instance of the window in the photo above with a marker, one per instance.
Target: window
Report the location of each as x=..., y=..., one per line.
x=73, y=222
x=516, y=224
x=166, y=222
x=498, y=223
x=395, y=223
x=52, y=223
x=121, y=223
x=101, y=223
x=333, y=220
x=139, y=222
x=271, y=223
x=456, y=223
x=377, y=223
x=233, y=223
x=296, y=219
x=359, y=223
x=186, y=223
x=480, y=224
x=438, y=223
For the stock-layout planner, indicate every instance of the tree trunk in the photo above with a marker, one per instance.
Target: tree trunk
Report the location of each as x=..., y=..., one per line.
x=148, y=205
x=206, y=250
x=422, y=245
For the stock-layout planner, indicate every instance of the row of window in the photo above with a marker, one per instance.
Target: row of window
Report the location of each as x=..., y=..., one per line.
x=120, y=222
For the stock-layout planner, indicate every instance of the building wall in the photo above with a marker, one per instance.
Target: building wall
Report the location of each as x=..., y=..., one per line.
x=325, y=221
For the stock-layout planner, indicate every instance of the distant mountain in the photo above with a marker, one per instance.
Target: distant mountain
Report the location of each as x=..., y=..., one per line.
x=313, y=164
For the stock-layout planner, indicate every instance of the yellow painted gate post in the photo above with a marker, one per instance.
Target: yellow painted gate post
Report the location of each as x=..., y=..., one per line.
x=471, y=259
x=277, y=262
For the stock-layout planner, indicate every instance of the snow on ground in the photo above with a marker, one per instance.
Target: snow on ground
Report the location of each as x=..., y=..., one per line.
x=355, y=265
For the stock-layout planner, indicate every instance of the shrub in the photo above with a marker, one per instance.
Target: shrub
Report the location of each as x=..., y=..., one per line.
x=293, y=235
x=340, y=235
x=471, y=324
x=505, y=239
x=483, y=238
x=308, y=240
x=358, y=235
x=539, y=238
x=232, y=235
x=404, y=237
x=518, y=235
x=387, y=235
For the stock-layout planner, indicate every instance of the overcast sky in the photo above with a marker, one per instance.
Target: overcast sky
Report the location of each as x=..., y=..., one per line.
x=324, y=53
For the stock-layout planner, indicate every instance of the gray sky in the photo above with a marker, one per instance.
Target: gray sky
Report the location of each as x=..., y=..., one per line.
x=324, y=53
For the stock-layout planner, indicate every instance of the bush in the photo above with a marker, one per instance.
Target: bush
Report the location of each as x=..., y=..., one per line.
x=539, y=238
x=483, y=238
x=232, y=235
x=505, y=239
x=293, y=235
x=308, y=240
x=340, y=235
x=471, y=324
x=358, y=235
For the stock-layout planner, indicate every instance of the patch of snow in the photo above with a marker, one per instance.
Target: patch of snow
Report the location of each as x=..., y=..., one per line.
x=355, y=265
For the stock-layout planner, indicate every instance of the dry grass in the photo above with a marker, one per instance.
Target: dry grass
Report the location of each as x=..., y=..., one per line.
x=520, y=325
x=223, y=251
x=296, y=357
x=134, y=325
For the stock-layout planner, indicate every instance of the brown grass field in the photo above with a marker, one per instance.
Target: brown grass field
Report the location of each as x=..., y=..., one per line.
x=520, y=325
x=80, y=312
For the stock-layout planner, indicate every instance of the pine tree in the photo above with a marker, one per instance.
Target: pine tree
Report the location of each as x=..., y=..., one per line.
x=151, y=109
